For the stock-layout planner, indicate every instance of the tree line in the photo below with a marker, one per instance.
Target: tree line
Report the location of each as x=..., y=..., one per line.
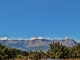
x=55, y=51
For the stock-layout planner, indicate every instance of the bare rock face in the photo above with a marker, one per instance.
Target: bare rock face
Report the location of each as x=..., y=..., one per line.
x=67, y=42
x=36, y=44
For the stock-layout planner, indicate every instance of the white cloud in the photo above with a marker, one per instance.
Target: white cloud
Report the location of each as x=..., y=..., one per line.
x=4, y=38
x=12, y=38
x=48, y=38
x=9, y=39
x=66, y=38
x=20, y=38
x=60, y=38
x=40, y=37
x=26, y=39
x=32, y=38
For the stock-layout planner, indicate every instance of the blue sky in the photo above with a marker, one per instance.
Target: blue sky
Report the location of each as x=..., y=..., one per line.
x=46, y=18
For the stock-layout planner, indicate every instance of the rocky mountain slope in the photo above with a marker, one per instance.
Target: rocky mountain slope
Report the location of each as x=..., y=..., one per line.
x=36, y=44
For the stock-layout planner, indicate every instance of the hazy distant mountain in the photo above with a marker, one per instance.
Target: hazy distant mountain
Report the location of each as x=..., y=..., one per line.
x=67, y=42
x=36, y=44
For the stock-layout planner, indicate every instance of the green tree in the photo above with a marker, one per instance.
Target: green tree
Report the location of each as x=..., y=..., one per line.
x=57, y=50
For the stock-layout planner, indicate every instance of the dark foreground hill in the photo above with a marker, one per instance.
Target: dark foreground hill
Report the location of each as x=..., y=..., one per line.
x=36, y=44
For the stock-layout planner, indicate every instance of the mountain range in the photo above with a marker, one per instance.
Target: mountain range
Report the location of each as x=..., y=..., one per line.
x=36, y=44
